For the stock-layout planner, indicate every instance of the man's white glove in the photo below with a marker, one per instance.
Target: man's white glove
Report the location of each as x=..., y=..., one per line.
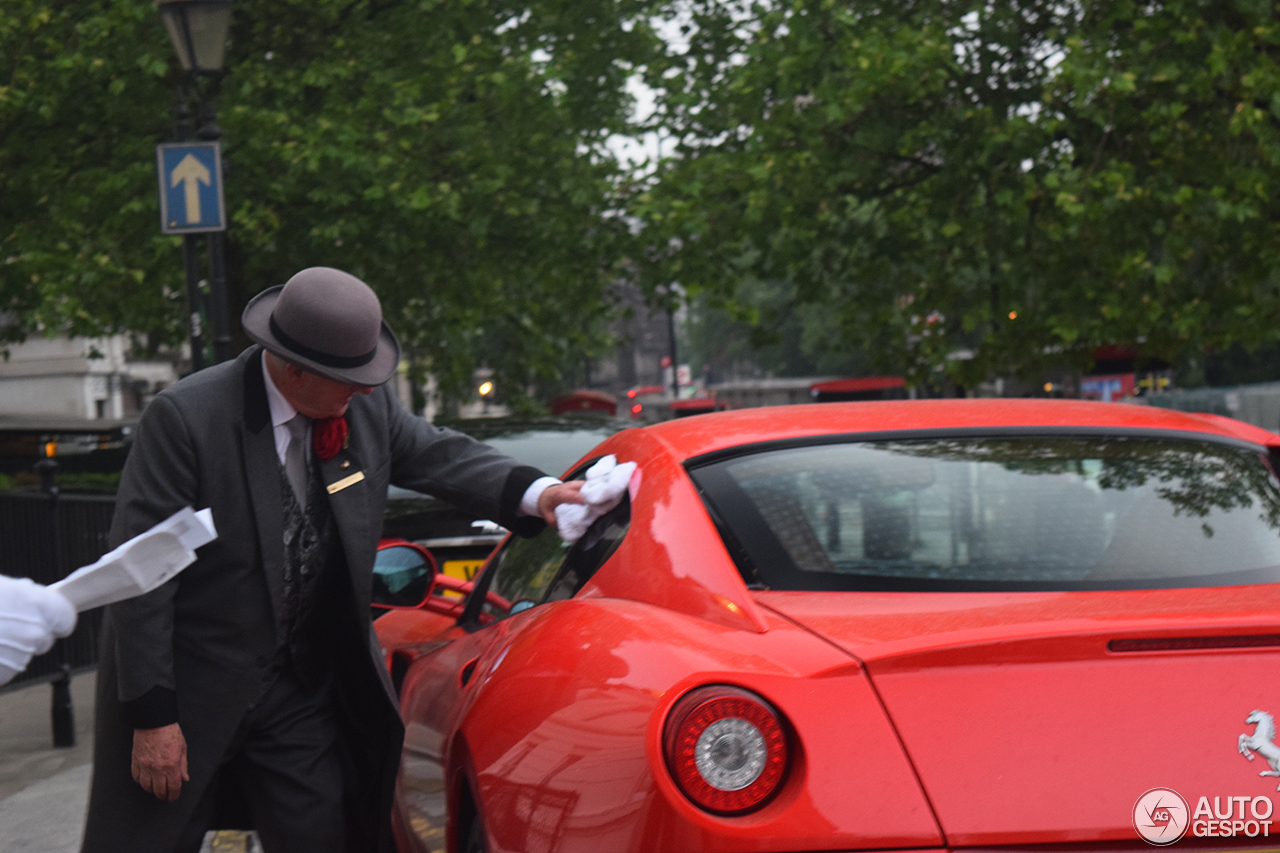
x=31, y=618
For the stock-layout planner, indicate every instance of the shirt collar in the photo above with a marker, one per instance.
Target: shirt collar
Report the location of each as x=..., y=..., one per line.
x=282, y=411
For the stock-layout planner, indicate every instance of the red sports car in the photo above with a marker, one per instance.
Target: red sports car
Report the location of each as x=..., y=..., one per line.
x=937, y=624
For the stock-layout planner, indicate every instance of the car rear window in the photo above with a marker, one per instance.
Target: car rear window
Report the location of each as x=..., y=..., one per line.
x=1027, y=512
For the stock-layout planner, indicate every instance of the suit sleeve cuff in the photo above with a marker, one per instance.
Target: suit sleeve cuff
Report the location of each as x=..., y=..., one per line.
x=529, y=503
x=153, y=709
x=514, y=490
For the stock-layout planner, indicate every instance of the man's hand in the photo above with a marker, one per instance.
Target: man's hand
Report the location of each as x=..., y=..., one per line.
x=160, y=760
x=553, y=496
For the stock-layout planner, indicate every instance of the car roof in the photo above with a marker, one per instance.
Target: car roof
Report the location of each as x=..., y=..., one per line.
x=703, y=434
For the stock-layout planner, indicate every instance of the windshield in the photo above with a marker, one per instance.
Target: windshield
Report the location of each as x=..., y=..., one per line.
x=1035, y=512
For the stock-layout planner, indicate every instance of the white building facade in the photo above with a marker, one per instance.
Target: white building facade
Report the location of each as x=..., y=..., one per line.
x=78, y=378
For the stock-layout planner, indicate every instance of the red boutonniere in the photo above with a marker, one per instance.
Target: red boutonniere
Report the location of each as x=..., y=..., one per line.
x=328, y=436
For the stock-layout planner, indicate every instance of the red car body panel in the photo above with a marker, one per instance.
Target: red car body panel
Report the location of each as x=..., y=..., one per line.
x=680, y=552
x=1022, y=723
x=917, y=720
x=590, y=760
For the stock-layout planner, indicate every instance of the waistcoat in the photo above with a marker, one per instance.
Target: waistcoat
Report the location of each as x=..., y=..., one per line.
x=309, y=603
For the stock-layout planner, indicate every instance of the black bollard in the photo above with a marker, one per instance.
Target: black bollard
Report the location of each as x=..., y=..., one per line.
x=47, y=469
x=64, y=721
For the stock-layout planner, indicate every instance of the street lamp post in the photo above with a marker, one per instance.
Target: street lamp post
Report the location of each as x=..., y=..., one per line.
x=190, y=250
x=217, y=252
x=198, y=31
x=670, y=293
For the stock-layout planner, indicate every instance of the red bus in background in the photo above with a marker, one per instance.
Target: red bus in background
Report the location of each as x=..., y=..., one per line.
x=862, y=388
x=584, y=401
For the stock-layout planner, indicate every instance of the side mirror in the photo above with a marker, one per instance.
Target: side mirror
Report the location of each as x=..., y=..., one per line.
x=404, y=574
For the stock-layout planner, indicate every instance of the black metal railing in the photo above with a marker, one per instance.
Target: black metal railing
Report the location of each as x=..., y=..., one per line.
x=45, y=536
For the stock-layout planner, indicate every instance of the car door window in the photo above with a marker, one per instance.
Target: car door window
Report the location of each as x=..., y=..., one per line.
x=590, y=552
x=522, y=571
x=527, y=572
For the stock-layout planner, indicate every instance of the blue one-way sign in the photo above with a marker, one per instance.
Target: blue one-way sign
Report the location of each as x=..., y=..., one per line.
x=190, y=187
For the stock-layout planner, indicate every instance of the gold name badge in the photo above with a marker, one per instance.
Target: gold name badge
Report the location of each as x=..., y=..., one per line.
x=344, y=482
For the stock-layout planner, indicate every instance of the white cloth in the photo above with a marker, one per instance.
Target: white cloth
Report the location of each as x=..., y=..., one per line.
x=606, y=482
x=31, y=618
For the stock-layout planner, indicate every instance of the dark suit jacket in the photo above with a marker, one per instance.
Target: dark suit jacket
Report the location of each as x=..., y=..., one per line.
x=195, y=650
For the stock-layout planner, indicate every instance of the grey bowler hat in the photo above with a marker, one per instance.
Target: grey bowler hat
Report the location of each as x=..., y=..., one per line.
x=328, y=322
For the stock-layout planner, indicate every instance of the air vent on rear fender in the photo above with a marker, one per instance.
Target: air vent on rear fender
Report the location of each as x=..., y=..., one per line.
x=1181, y=644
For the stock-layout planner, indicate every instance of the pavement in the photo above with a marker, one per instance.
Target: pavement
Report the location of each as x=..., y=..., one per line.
x=43, y=788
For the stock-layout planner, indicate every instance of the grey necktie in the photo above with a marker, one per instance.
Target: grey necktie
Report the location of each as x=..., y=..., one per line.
x=295, y=457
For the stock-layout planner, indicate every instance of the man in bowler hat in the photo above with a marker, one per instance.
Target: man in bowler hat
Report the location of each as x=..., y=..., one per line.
x=254, y=676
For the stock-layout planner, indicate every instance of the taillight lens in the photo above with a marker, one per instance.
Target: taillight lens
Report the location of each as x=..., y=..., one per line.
x=726, y=748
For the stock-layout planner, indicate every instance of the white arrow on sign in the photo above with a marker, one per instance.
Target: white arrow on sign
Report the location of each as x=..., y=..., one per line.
x=189, y=172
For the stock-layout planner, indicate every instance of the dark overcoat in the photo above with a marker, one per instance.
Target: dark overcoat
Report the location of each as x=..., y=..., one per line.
x=206, y=637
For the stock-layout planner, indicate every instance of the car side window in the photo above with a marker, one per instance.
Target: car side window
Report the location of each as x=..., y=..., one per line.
x=590, y=552
x=521, y=573
x=528, y=572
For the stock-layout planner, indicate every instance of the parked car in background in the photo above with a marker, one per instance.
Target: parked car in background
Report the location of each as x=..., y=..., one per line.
x=643, y=402
x=696, y=406
x=860, y=388
x=584, y=400
x=460, y=542
x=934, y=625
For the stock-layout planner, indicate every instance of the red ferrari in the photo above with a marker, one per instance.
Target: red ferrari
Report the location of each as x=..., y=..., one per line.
x=937, y=624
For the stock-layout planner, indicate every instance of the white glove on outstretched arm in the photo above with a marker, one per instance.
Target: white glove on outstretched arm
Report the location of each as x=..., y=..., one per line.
x=31, y=618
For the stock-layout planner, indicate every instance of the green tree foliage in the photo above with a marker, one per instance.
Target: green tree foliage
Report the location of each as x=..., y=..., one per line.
x=763, y=331
x=1018, y=182
x=451, y=154
x=82, y=104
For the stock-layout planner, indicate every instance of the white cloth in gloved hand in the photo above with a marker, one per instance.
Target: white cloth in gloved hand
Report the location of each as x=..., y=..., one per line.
x=606, y=483
x=31, y=618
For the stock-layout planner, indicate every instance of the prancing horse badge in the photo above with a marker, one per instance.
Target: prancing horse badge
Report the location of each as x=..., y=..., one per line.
x=1261, y=742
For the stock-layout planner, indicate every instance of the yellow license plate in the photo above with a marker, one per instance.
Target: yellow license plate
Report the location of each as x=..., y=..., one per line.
x=461, y=569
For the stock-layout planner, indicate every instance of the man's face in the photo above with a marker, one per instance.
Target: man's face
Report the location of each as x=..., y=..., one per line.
x=316, y=396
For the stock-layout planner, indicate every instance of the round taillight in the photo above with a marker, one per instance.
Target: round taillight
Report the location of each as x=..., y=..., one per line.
x=726, y=748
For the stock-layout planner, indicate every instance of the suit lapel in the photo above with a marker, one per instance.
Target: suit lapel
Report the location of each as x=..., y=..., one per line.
x=343, y=477
x=264, y=489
